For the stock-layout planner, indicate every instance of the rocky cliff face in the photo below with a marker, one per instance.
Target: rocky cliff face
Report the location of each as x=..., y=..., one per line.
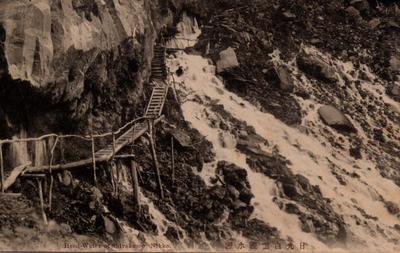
x=62, y=60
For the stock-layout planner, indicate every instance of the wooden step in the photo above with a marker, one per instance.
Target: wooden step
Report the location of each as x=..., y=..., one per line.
x=158, y=91
x=162, y=68
x=156, y=99
x=153, y=108
x=158, y=68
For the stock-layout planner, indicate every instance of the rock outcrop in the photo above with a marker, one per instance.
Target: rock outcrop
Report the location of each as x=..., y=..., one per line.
x=317, y=68
x=335, y=118
x=227, y=60
x=80, y=57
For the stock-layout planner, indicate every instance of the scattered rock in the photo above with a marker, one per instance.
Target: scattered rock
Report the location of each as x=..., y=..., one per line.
x=378, y=135
x=228, y=59
x=307, y=226
x=173, y=234
x=395, y=90
x=67, y=178
x=335, y=118
x=314, y=66
x=361, y=5
x=280, y=77
x=355, y=152
x=352, y=12
x=109, y=225
x=374, y=23
x=289, y=15
x=392, y=207
x=395, y=62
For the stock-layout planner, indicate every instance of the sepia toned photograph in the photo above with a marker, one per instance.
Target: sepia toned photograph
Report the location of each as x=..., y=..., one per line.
x=200, y=126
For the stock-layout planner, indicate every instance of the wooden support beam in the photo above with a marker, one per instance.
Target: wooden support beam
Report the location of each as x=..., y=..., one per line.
x=113, y=144
x=1, y=168
x=62, y=155
x=11, y=194
x=94, y=162
x=34, y=175
x=111, y=170
x=172, y=160
x=154, y=155
x=50, y=170
x=41, y=200
x=135, y=184
x=16, y=172
x=124, y=156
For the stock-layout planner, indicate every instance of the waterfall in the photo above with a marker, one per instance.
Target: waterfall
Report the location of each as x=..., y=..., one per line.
x=19, y=150
x=41, y=155
x=188, y=32
x=35, y=151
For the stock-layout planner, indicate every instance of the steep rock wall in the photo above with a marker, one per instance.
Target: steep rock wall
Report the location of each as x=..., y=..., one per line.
x=63, y=60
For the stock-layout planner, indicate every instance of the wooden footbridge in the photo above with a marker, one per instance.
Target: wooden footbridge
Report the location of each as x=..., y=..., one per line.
x=124, y=136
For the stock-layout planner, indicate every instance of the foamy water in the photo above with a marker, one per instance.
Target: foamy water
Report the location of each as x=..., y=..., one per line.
x=199, y=80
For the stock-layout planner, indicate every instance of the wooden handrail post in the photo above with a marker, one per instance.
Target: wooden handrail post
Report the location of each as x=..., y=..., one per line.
x=113, y=143
x=94, y=161
x=62, y=156
x=133, y=134
x=135, y=184
x=41, y=200
x=2, y=168
x=112, y=169
x=172, y=160
x=154, y=155
x=51, y=174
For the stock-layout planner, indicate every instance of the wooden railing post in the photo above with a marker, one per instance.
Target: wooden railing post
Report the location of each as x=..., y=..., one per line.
x=172, y=160
x=135, y=184
x=154, y=155
x=94, y=160
x=113, y=143
x=2, y=168
x=41, y=200
x=62, y=156
x=51, y=172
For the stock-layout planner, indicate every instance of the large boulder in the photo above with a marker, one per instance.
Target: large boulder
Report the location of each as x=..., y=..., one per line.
x=335, y=118
x=228, y=59
x=316, y=67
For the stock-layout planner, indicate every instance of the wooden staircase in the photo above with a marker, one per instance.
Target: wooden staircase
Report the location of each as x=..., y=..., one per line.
x=157, y=100
x=154, y=107
x=158, y=66
x=126, y=138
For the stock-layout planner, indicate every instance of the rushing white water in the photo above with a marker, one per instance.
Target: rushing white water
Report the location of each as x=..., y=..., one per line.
x=199, y=85
x=188, y=31
x=19, y=151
